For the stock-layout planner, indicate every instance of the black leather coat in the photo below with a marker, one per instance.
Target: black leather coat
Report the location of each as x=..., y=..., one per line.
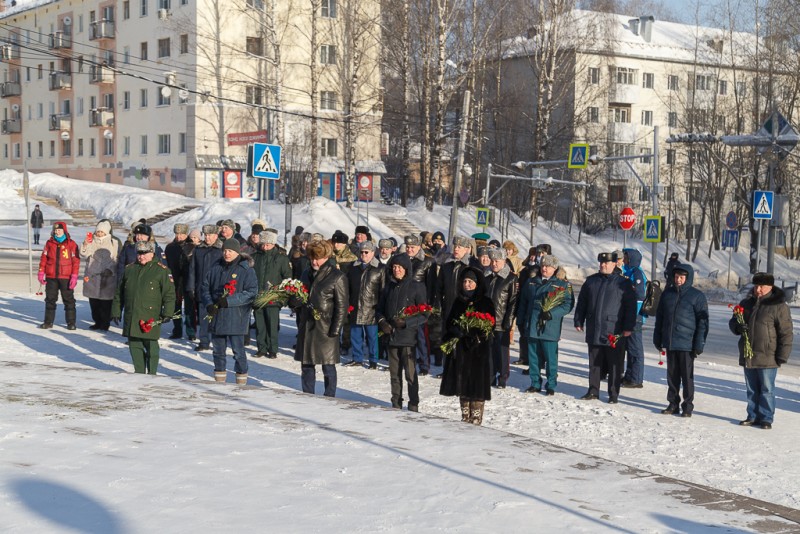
x=425, y=271
x=365, y=284
x=501, y=287
x=318, y=339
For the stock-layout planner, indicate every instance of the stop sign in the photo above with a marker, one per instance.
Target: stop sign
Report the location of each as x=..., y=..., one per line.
x=627, y=218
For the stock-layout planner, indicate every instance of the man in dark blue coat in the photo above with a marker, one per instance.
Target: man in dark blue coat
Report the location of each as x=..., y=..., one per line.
x=205, y=255
x=607, y=308
x=681, y=329
x=632, y=270
x=226, y=294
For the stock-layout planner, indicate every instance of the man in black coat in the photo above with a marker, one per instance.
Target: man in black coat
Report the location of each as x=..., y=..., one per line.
x=365, y=281
x=671, y=263
x=179, y=266
x=447, y=282
x=501, y=287
x=37, y=221
x=127, y=256
x=205, y=255
x=423, y=271
x=606, y=309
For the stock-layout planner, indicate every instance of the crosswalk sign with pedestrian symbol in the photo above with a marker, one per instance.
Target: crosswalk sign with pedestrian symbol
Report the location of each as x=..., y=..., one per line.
x=482, y=217
x=266, y=161
x=762, y=204
x=578, y=156
x=653, y=228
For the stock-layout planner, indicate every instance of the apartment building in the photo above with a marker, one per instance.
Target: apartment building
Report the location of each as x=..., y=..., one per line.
x=167, y=94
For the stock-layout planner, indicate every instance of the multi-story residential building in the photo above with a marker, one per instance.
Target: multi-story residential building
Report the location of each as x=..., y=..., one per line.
x=166, y=94
x=615, y=79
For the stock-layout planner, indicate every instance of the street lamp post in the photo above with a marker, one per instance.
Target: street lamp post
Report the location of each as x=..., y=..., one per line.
x=460, y=167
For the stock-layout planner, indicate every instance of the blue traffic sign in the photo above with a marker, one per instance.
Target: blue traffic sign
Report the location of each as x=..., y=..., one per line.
x=653, y=228
x=578, y=156
x=730, y=238
x=266, y=161
x=763, y=204
x=482, y=217
x=731, y=221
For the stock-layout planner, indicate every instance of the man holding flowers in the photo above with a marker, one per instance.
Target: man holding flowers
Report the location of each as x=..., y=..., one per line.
x=271, y=268
x=543, y=304
x=764, y=321
x=501, y=287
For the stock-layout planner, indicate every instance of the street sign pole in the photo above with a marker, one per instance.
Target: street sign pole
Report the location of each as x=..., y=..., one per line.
x=654, y=195
x=730, y=255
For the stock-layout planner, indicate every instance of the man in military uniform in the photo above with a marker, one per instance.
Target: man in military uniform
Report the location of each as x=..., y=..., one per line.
x=271, y=268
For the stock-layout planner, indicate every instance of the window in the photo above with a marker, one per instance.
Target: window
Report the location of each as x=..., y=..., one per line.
x=672, y=83
x=327, y=100
x=741, y=124
x=39, y=110
x=126, y=100
x=143, y=144
x=593, y=114
x=693, y=231
x=28, y=150
x=108, y=13
x=80, y=147
x=92, y=147
x=722, y=87
x=164, y=4
x=328, y=9
x=255, y=46
x=328, y=148
x=256, y=4
x=163, y=47
x=126, y=146
x=254, y=95
x=80, y=105
x=648, y=80
x=702, y=82
x=143, y=8
x=143, y=51
x=625, y=76
x=183, y=96
x=645, y=151
x=66, y=148
x=52, y=149
x=108, y=101
x=670, y=156
x=164, y=143
x=616, y=192
x=619, y=114
x=41, y=149
x=162, y=100
x=719, y=123
x=80, y=63
x=184, y=43
x=672, y=119
x=126, y=10
x=622, y=149
x=142, y=98
x=17, y=154
x=327, y=55
x=669, y=193
x=182, y=143
x=27, y=74
x=126, y=55
x=647, y=118
x=594, y=75
x=741, y=89
x=39, y=72
x=108, y=147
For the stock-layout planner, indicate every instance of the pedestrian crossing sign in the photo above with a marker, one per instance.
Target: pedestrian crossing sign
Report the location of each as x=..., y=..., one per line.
x=482, y=217
x=653, y=228
x=266, y=161
x=578, y=156
x=762, y=204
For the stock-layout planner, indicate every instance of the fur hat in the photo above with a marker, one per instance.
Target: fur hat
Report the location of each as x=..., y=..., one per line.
x=298, y=230
x=181, y=228
x=103, y=226
x=318, y=250
x=362, y=230
x=232, y=244
x=385, y=243
x=339, y=237
x=674, y=256
x=619, y=255
x=210, y=229
x=143, y=229
x=366, y=245
x=257, y=228
x=268, y=237
x=412, y=240
x=544, y=247
x=229, y=223
x=482, y=250
x=394, y=241
x=145, y=246
x=194, y=233
x=316, y=236
x=763, y=279
x=550, y=261
x=497, y=254
x=606, y=257
x=305, y=236
x=461, y=241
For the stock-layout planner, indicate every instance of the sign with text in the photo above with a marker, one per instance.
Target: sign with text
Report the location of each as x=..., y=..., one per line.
x=245, y=138
x=627, y=218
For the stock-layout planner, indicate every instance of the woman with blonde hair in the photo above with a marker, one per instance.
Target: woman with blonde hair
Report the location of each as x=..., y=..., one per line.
x=513, y=256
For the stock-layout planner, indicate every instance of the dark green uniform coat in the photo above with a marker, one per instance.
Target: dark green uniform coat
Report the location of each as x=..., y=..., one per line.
x=146, y=292
x=272, y=267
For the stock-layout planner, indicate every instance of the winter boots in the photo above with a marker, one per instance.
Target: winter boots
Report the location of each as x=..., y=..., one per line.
x=241, y=378
x=465, y=411
x=220, y=376
x=476, y=408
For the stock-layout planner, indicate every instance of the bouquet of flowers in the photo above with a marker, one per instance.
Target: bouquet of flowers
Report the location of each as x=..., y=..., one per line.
x=738, y=313
x=281, y=294
x=227, y=289
x=551, y=300
x=613, y=339
x=148, y=325
x=411, y=311
x=471, y=321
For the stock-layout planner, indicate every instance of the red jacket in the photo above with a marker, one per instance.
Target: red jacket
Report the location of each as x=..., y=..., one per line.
x=60, y=260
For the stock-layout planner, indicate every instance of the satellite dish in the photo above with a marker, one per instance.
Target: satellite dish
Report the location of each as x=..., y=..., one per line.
x=166, y=92
x=183, y=93
x=67, y=21
x=15, y=107
x=65, y=136
x=108, y=134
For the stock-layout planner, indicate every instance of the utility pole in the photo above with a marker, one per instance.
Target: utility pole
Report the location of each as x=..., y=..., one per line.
x=462, y=141
x=654, y=196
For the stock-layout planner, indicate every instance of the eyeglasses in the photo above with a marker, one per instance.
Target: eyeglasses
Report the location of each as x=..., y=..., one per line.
x=365, y=252
x=142, y=252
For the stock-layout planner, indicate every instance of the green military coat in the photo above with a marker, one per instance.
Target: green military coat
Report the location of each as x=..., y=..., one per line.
x=271, y=267
x=145, y=292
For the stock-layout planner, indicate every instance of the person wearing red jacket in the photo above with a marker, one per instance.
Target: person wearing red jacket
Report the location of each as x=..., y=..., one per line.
x=58, y=272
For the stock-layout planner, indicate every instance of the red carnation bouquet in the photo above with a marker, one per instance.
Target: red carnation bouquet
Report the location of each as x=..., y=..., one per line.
x=281, y=293
x=552, y=300
x=613, y=339
x=414, y=309
x=227, y=290
x=147, y=326
x=471, y=321
x=738, y=313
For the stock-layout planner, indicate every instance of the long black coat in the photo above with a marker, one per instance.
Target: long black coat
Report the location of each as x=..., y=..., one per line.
x=318, y=339
x=770, y=322
x=448, y=281
x=682, y=317
x=606, y=305
x=468, y=369
x=396, y=296
x=203, y=258
x=501, y=287
x=178, y=264
x=365, y=284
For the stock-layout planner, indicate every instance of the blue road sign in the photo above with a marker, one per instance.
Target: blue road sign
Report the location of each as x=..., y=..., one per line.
x=731, y=221
x=652, y=228
x=578, y=156
x=730, y=238
x=266, y=161
x=482, y=217
x=763, y=204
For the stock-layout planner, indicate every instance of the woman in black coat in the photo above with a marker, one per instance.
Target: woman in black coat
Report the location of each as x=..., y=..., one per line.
x=468, y=369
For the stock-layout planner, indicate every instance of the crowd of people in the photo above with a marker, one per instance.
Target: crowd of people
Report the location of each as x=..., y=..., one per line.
x=418, y=302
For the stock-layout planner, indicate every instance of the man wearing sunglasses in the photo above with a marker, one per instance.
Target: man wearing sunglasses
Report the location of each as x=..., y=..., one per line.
x=365, y=280
x=606, y=311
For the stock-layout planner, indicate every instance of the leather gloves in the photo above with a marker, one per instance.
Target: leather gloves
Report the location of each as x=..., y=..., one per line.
x=545, y=315
x=212, y=310
x=222, y=302
x=385, y=327
x=294, y=302
x=399, y=323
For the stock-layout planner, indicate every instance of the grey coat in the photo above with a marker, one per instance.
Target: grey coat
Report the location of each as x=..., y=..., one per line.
x=318, y=339
x=100, y=275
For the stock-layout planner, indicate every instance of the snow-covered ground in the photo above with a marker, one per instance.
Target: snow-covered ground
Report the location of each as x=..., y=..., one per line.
x=88, y=446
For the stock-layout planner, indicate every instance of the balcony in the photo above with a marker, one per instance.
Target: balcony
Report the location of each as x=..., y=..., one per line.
x=10, y=89
x=61, y=122
x=60, y=40
x=101, y=29
x=11, y=126
x=622, y=132
x=622, y=93
x=101, y=74
x=101, y=117
x=60, y=80
x=9, y=52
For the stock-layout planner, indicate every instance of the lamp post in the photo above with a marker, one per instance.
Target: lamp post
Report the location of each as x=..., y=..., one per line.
x=460, y=167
